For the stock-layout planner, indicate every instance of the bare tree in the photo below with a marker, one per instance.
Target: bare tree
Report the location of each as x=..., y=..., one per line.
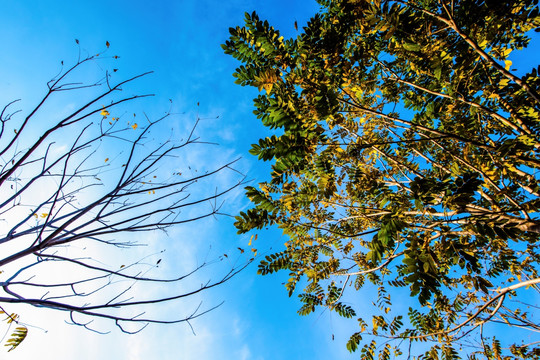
x=92, y=179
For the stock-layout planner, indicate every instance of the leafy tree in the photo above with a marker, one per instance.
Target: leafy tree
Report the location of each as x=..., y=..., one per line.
x=77, y=187
x=405, y=155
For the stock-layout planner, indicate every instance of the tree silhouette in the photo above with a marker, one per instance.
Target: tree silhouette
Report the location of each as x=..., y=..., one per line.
x=74, y=187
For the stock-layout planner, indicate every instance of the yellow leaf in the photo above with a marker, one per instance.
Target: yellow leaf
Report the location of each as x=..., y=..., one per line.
x=104, y=113
x=44, y=215
x=134, y=126
x=107, y=159
x=12, y=317
x=268, y=87
x=17, y=337
x=36, y=216
x=507, y=64
x=253, y=237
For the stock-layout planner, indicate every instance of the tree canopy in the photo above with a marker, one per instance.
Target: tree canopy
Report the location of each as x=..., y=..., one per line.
x=405, y=155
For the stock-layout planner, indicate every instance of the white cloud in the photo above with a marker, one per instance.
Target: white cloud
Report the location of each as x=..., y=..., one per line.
x=244, y=353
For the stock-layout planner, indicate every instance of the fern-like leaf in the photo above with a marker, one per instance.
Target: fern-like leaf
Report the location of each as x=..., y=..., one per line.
x=17, y=337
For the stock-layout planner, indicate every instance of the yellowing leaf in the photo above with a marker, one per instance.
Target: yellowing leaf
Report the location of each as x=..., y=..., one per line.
x=44, y=215
x=266, y=80
x=12, y=317
x=268, y=87
x=134, y=126
x=507, y=64
x=106, y=159
x=253, y=237
x=104, y=113
x=17, y=337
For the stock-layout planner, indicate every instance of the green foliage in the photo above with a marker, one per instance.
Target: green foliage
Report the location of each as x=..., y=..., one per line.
x=406, y=155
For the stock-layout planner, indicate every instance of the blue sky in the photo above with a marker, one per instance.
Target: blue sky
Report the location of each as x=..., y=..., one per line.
x=180, y=42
